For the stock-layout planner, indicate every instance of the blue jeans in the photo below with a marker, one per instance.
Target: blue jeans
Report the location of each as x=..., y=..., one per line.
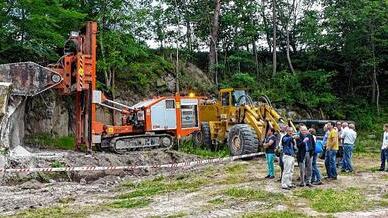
x=384, y=158
x=316, y=176
x=330, y=163
x=270, y=165
x=347, y=159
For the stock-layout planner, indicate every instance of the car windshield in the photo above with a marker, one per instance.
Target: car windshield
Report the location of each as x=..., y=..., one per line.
x=236, y=97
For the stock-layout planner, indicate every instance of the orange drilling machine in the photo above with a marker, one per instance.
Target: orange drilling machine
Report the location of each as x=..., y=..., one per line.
x=151, y=123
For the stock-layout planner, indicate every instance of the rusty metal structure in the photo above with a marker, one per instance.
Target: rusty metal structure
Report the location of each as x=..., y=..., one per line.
x=152, y=123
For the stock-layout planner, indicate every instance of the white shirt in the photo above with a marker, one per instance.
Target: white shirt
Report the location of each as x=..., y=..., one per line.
x=349, y=136
x=385, y=141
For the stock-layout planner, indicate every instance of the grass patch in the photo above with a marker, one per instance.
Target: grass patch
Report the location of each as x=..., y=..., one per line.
x=331, y=201
x=216, y=201
x=177, y=215
x=161, y=185
x=49, y=141
x=60, y=211
x=236, y=169
x=253, y=194
x=191, y=148
x=283, y=214
x=130, y=203
x=57, y=164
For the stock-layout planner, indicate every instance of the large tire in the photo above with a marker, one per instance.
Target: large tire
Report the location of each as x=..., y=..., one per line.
x=242, y=139
x=203, y=137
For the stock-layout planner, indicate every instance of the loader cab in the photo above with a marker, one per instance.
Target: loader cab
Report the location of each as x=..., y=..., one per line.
x=230, y=100
x=232, y=97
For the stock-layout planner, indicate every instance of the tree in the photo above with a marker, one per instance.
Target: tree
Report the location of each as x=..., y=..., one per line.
x=213, y=41
x=274, y=38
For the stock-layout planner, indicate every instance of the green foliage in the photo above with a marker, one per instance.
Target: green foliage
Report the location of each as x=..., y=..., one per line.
x=190, y=148
x=36, y=29
x=57, y=164
x=332, y=201
x=241, y=80
x=49, y=141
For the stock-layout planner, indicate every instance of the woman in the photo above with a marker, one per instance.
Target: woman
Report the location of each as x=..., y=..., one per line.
x=270, y=145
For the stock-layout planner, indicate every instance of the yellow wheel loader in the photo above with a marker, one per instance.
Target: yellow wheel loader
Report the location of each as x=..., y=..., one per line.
x=234, y=119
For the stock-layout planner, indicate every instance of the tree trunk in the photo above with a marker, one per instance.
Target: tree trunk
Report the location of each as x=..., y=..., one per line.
x=213, y=41
x=188, y=36
x=256, y=59
x=274, y=38
x=266, y=27
x=376, y=88
x=106, y=76
x=290, y=12
x=288, y=51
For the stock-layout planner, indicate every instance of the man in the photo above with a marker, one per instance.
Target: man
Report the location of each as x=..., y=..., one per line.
x=331, y=151
x=348, y=136
x=306, y=147
x=316, y=174
x=340, y=152
x=288, y=144
x=384, y=149
x=270, y=145
x=283, y=132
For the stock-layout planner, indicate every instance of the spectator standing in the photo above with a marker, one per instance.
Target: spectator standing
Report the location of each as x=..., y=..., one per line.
x=349, y=136
x=384, y=149
x=324, y=142
x=288, y=144
x=306, y=147
x=316, y=174
x=270, y=145
x=340, y=152
x=331, y=151
x=283, y=132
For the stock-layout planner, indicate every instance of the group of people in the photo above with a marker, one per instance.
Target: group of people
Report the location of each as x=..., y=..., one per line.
x=303, y=147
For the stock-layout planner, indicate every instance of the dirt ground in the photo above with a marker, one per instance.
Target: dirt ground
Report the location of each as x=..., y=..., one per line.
x=236, y=189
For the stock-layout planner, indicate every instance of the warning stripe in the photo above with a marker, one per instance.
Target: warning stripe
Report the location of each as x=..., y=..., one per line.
x=132, y=167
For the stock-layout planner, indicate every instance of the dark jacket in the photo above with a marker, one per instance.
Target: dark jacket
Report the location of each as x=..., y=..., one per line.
x=271, y=149
x=288, y=145
x=302, y=147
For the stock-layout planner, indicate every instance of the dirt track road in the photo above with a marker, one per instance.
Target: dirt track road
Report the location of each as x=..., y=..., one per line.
x=230, y=190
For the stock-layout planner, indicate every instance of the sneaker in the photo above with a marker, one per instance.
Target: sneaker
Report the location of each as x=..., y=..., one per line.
x=286, y=188
x=309, y=185
x=302, y=185
x=267, y=176
x=333, y=178
x=381, y=169
x=271, y=177
x=318, y=183
x=292, y=186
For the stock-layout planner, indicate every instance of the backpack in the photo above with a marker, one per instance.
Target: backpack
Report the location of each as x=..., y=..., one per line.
x=319, y=146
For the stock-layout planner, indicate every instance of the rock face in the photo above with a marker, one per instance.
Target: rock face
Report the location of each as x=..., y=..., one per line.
x=49, y=113
x=12, y=123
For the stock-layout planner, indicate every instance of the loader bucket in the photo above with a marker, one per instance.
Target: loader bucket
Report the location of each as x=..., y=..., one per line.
x=28, y=78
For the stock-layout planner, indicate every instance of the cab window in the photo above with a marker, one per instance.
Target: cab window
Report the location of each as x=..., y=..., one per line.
x=236, y=96
x=225, y=99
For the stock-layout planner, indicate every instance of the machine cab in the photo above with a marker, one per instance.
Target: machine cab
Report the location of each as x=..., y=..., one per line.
x=232, y=97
